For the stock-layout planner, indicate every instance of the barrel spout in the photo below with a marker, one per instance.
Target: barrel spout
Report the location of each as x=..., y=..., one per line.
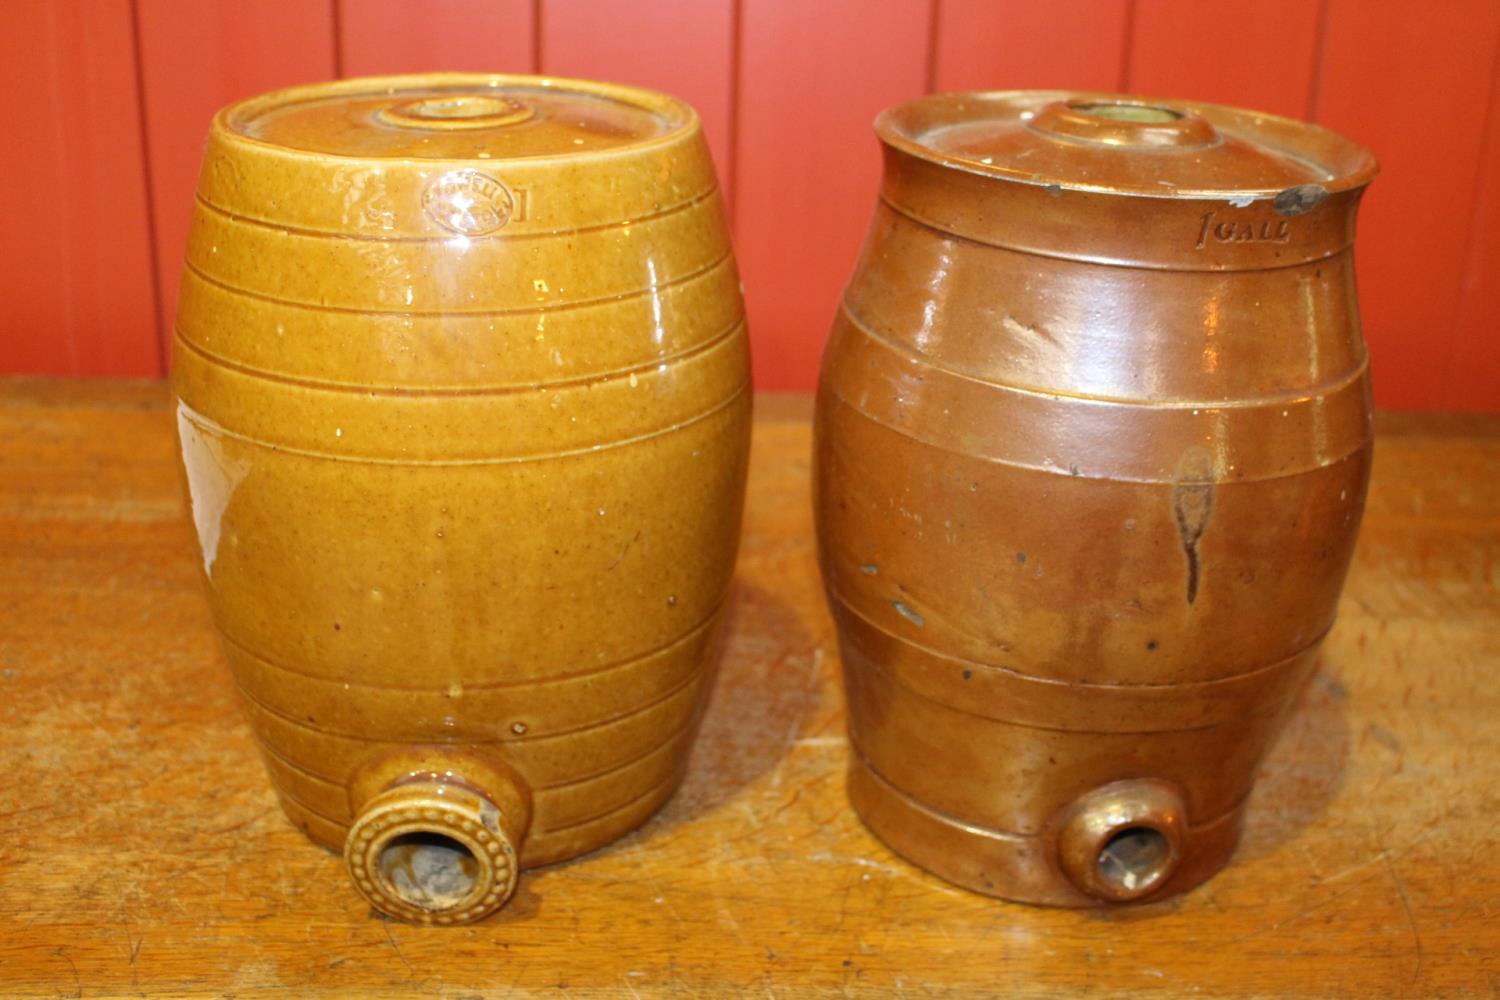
x=437, y=835
x=1123, y=842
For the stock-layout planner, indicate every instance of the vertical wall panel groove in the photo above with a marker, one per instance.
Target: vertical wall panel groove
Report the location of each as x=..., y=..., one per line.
x=1008, y=44
x=1472, y=380
x=413, y=36
x=930, y=70
x=1127, y=47
x=812, y=78
x=1178, y=49
x=1408, y=81
x=1320, y=53
x=536, y=35
x=729, y=168
x=336, y=19
x=158, y=308
x=75, y=253
x=197, y=57
x=682, y=47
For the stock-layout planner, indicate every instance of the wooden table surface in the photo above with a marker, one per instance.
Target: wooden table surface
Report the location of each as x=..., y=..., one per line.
x=142, y=852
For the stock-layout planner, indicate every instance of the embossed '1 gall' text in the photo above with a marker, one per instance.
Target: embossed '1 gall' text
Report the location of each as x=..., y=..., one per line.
x=1270, y=231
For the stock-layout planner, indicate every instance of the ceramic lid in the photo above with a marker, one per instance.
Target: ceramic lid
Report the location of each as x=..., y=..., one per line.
x=438, y=155
x=1123, y=144
x=458, y=117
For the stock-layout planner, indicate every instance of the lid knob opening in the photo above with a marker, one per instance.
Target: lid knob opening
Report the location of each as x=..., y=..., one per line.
x=1120, y=111
x=1123, y=123
x=457, y=111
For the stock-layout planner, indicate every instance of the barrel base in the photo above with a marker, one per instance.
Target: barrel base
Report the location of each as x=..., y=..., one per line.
x=1017, y=867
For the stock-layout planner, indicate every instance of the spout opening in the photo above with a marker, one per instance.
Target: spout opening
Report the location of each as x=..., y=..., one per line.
x=432, y=853
x=429, y=869
x=1124, y=841
x=1134, y=859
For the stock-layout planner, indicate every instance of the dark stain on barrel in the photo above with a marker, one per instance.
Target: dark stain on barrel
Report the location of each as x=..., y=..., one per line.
x=1192, y=504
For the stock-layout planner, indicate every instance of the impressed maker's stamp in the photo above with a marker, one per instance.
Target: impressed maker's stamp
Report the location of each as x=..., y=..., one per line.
x=469, y=203
x=1213, y=230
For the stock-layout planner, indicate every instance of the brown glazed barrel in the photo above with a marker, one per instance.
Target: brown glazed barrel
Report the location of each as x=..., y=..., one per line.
x=1093, y=435
x=464, y=409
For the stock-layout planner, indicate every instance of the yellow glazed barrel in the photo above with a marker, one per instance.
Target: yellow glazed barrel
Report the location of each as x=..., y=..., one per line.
x=463, y=400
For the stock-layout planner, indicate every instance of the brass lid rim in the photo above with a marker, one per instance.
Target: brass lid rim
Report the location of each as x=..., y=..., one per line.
x=683, y=119
x=887, y=128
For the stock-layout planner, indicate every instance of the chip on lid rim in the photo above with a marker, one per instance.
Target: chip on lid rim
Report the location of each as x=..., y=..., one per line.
x=677, y=118
x=1133, y=125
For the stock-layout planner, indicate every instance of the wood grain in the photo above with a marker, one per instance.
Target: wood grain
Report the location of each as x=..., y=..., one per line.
x=144, y=854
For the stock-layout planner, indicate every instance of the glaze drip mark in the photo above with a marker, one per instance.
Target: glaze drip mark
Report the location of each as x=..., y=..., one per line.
x=1192, y=504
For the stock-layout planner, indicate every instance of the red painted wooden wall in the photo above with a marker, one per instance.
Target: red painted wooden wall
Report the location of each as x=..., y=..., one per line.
x=108, y=101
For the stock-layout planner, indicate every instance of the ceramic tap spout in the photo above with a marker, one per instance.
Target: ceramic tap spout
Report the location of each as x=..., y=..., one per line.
x=437, y=836
x=1123, y=842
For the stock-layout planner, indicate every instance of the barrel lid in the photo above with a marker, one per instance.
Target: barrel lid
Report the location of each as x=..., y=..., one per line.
x=1126, y=145
x=437, y=155
x=457, y=117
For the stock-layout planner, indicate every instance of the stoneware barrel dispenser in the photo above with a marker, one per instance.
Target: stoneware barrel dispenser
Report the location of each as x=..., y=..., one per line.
x=463, y=401
x=1093, y=435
